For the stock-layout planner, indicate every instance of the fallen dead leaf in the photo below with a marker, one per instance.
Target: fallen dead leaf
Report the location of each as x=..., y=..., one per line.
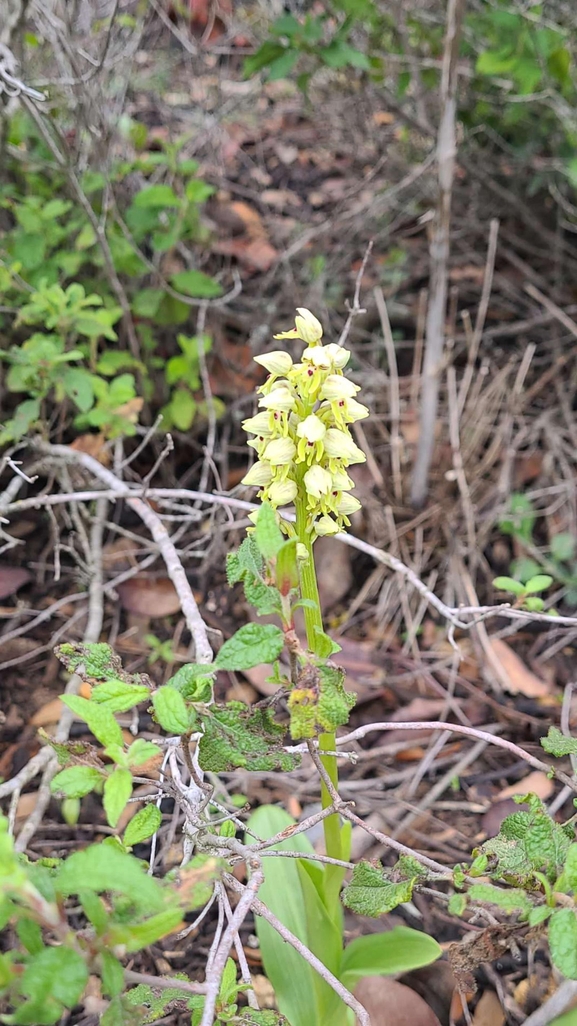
x=280, y=198
x=93, y=445
x=26, y=805
x=130, y=410
x=250, y=218
x=494, y=816
x=536, y=782
x=264, y=991
x=383, y=117
x=11, y=579
x=469, y=272
x=489, y=1011
x=146, y=596
x=512, y=673
x=52, y=711
x=390, y=1003
x=255, y=255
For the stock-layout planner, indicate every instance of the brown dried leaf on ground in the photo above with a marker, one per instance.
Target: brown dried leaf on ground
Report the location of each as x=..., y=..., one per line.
x=148, y=597
x=536, y=782
x=11, y=579
x=513, y=675
x=489, y=1011
x=393, y=1004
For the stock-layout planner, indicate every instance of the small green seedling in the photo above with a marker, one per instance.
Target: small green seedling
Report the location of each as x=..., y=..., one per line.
x=526, y=595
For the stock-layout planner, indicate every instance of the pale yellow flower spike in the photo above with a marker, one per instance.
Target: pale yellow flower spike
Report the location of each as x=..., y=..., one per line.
x=302, y=437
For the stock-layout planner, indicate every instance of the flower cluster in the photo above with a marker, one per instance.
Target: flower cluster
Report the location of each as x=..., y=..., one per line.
x=302, y=435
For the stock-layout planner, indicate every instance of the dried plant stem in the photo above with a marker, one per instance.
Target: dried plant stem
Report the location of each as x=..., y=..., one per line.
x=439, y=254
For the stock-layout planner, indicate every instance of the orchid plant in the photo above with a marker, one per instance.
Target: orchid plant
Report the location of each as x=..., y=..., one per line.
x=304, y=446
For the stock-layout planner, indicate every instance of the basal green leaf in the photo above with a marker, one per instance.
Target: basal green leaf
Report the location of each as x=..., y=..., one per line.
x=142, y=826
x=117, y=791
x=141, y=751
x=76, y=781
x=170, y=710
x=384, y=954
x=282, y=893
x=252, y=644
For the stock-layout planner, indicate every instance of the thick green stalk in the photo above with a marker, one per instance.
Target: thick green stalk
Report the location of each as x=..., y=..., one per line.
x=313, y=624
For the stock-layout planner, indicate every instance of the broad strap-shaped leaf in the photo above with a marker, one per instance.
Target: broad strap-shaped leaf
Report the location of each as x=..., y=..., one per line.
x=385, y=954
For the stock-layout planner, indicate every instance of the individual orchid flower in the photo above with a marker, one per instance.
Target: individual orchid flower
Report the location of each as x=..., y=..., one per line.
x=307, y=328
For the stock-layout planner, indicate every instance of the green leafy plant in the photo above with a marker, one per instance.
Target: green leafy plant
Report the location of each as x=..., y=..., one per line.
x=530, y=869
x=58, y=274
x=557, y=559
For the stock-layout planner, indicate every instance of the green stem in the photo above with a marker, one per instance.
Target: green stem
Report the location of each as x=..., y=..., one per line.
x=313, y=624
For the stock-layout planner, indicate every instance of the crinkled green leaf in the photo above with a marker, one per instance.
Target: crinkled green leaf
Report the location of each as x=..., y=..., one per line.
x=112, y=974
x=558, y=744
x=76, y=781
x=319, y=702
x=143, y=825
x=252, y=644
x=100, y=720
x=370, y=894
x=57, y=973
x=117, y=791
x=99, y=660
x=101, y=868
x=563, y=942
x=118, y=696
x=268, y=535
x=510, y=899
x=170, y=710
x=194, y=681
x=135, y=936
x=235, y=736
